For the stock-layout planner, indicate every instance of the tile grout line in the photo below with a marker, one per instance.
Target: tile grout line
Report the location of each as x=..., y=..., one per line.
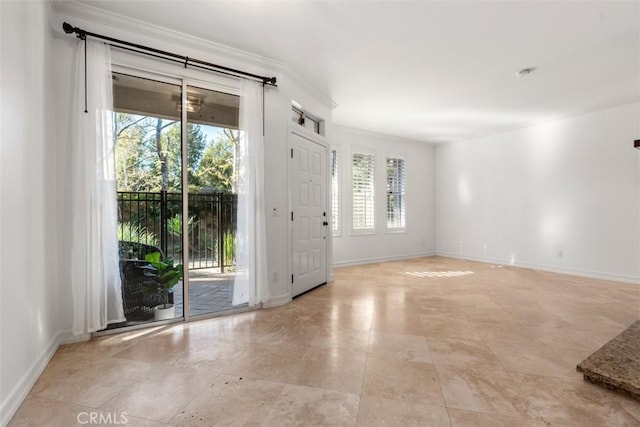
x=435, y=368
x=366, y=361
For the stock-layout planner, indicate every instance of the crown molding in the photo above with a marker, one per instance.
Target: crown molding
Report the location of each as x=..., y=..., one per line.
x=120, y=26
x=116, y=25
x=529, y=124
x=371, y=134
x=303, y=83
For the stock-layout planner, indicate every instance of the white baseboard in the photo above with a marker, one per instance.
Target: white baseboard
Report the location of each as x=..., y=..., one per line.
x=15, y=398
x=363, y=261
x=550, y=268
x=21, y=390
x=67, y=337
x=277, y=301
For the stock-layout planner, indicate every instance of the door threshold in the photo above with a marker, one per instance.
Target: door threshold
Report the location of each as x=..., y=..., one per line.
x=169, y=322
x=309, y=290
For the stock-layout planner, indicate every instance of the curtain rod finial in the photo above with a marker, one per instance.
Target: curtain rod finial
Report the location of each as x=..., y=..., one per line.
x=68, y=28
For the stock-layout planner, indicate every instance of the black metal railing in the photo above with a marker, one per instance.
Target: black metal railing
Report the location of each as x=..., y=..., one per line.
x=154, y=218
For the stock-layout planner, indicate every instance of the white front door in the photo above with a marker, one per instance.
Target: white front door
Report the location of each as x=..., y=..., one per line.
x=308, y=213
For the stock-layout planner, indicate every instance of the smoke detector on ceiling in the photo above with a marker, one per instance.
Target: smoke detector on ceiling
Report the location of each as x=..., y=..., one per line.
x=524, y=72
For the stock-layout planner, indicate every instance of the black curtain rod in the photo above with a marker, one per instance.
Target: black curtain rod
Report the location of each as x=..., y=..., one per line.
x=83, y=34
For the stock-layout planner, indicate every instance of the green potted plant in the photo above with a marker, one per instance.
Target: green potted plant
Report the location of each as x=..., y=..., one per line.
x=162, y=278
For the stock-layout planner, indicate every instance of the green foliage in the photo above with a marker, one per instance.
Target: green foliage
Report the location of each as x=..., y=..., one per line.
x=174, y=224
x=164, y=276
x=229, y=248
x=217, y=168
x=229, y=241
x=149, y=153
x=196, y=143
x=134, y=232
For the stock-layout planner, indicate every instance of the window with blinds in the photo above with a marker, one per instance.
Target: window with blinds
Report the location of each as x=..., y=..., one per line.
x=395, y=193
x=335, y=194
x=363, y=200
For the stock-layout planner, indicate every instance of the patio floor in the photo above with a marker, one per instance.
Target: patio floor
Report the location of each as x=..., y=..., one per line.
x=209, y=292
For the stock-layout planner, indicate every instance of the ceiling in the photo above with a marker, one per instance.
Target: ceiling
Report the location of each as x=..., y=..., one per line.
x=432, y=71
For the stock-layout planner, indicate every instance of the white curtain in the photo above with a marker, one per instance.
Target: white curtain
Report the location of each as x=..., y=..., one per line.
x=251, y=284
x=95, y=274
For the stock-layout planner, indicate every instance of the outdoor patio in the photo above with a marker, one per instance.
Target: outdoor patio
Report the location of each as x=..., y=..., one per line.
x=151, y=222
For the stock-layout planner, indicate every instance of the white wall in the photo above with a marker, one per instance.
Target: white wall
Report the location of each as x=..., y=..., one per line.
x=570, y=185
x=28, y=237
x=419, y=237
x=62, y=69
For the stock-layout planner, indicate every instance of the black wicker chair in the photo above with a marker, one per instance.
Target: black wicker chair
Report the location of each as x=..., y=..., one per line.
x=134, y=271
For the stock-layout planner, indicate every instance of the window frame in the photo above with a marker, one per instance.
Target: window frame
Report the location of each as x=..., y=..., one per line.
x=304, y=120
x=151, y=68
x=372, y=230
x=337, y=219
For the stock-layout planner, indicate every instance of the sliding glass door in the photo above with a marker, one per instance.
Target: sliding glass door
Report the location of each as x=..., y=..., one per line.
x=212, y=150
x=148, y=134
x=164, y=166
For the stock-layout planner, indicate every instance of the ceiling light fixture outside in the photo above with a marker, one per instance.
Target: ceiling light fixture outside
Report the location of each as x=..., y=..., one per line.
x=194, y=105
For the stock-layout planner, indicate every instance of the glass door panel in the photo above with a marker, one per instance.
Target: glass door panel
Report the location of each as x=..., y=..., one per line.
x=212, y=143
x=148, y=135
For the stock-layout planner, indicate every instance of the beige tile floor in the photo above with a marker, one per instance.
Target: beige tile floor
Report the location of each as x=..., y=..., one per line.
x=457, y=344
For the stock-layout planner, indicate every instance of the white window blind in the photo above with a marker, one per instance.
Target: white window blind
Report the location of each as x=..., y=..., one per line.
x=363, y=205
x=395, y=193
x=335, y=194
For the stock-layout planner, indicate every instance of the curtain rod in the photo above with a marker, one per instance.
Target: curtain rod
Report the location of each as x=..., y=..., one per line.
x=83, y=34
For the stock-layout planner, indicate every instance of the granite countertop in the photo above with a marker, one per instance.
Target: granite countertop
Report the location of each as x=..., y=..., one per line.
x=616, y=365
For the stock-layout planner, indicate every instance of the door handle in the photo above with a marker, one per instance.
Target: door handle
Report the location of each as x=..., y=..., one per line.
x=325, y=223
